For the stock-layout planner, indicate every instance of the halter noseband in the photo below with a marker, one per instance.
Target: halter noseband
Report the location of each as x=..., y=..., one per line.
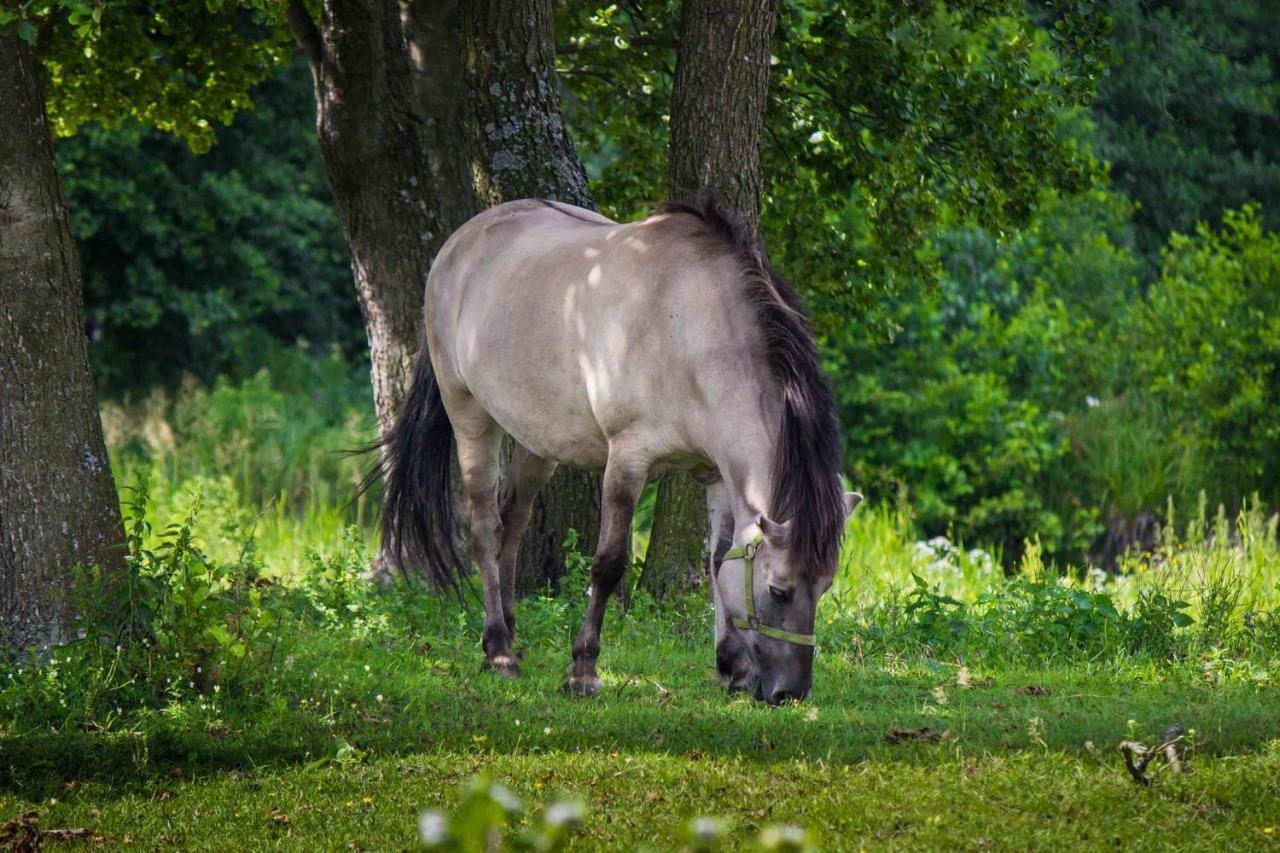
x=747, y=553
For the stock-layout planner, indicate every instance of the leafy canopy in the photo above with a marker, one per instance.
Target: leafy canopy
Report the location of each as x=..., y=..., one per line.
x=884, y=120
x=177, y=65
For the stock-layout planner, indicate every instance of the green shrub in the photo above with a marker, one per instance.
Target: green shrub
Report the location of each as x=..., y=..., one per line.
x=1204, y=347
x=966, y=410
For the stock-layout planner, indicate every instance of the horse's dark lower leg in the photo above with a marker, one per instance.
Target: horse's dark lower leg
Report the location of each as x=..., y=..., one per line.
x=606, y=572
x=523, y=478
x=622, y=488
x=733, y=663
x=486, y=526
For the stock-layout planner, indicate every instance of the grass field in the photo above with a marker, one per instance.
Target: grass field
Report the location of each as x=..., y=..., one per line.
x=250, y=691
x=357, y=737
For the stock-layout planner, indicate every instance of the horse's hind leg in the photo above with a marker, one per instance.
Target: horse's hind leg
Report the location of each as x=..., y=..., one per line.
x=479, y=441
x=624, y=478
x=522, y=479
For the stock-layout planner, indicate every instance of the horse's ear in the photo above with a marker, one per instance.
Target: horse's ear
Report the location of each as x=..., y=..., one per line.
x=851, y=501
x=777, y=534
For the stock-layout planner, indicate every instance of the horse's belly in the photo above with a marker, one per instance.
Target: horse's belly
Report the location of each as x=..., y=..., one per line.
x=549, y=418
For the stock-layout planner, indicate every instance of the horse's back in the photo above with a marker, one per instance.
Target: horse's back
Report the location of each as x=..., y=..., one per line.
x=570, y=329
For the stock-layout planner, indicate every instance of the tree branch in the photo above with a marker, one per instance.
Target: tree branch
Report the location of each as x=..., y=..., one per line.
x=306, y=34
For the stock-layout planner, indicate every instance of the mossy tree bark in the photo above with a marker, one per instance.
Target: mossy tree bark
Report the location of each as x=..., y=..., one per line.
x=520, y=148
x=717, y=117
x=58, y=502
x=388, y=116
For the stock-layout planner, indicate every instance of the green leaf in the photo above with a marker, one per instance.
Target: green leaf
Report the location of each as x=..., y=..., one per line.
x=27, y=32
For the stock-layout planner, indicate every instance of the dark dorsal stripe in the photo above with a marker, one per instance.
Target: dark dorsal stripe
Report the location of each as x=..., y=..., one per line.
x=807, y=460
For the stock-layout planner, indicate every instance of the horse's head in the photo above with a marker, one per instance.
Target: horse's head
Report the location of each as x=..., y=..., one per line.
x=773, y=603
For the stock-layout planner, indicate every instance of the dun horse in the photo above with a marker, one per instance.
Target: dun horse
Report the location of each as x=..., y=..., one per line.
x=643, y=349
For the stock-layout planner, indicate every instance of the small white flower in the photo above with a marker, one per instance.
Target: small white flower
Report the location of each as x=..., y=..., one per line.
x=1092, y=401
x=565, y=813
x=432, y=827
x=502, y=795
x=378, y=697
x=546, y=730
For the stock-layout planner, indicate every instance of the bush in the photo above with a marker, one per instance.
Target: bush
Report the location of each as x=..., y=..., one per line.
x=966, y=410
x=1204, y=347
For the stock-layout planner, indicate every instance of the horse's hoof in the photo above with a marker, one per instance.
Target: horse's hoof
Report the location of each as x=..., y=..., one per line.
x=503, y=665
x=583, y=685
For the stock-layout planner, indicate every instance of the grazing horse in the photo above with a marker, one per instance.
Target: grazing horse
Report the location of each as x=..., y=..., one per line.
x=642, y=349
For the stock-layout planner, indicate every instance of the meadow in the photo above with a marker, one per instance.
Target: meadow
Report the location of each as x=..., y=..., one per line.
x=245, y=688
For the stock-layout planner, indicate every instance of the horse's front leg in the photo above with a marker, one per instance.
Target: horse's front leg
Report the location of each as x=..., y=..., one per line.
x=624, y=478
x=733, y=662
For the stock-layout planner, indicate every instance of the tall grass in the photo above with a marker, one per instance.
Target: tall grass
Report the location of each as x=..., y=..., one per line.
x=266, y=456
x=269, y=456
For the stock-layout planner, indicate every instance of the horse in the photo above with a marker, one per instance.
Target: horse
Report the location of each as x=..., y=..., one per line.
x=643, y=349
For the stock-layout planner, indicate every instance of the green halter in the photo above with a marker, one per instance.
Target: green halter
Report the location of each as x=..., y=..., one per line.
x=747, y=553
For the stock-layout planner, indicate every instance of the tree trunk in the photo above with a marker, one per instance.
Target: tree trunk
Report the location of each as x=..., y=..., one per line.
x=519, y=148
x=407, y=170
x=388, y=117
x=387, y=78
x=58, y=502
x=717, y=116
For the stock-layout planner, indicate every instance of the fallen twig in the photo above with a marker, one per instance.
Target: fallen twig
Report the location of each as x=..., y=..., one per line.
x=1138, y=756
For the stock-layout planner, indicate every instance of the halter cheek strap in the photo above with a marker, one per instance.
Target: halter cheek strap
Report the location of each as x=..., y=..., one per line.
x=747, y=553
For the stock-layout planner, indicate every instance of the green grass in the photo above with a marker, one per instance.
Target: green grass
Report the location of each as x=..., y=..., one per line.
x=661, y=744
x=268, y=698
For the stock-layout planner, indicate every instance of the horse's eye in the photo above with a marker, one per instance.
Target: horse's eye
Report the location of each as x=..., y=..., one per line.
x=780, y=594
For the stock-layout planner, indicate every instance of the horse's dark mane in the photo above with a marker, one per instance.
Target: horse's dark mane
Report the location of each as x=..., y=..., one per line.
x=807, y=461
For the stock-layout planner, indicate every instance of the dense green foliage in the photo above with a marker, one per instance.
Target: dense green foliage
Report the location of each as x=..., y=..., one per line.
x=177, y=66
x=881, y=117
x=1188, y=115
x=968, y=410
x=206, y=264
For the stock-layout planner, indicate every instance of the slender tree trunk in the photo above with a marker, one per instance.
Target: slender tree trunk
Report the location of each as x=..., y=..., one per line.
x=58, y=503
x=520, y=148
x=718, y=100
x=717, y=117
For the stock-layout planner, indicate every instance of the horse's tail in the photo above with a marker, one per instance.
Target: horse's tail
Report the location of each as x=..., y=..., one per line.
x=417, y=464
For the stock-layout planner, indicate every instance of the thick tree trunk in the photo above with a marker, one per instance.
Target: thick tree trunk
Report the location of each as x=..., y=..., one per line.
x=406, y=170
x=58, y=503
x=717, y=117
x=387, y=81
x=388, y=116
x=520, y=148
